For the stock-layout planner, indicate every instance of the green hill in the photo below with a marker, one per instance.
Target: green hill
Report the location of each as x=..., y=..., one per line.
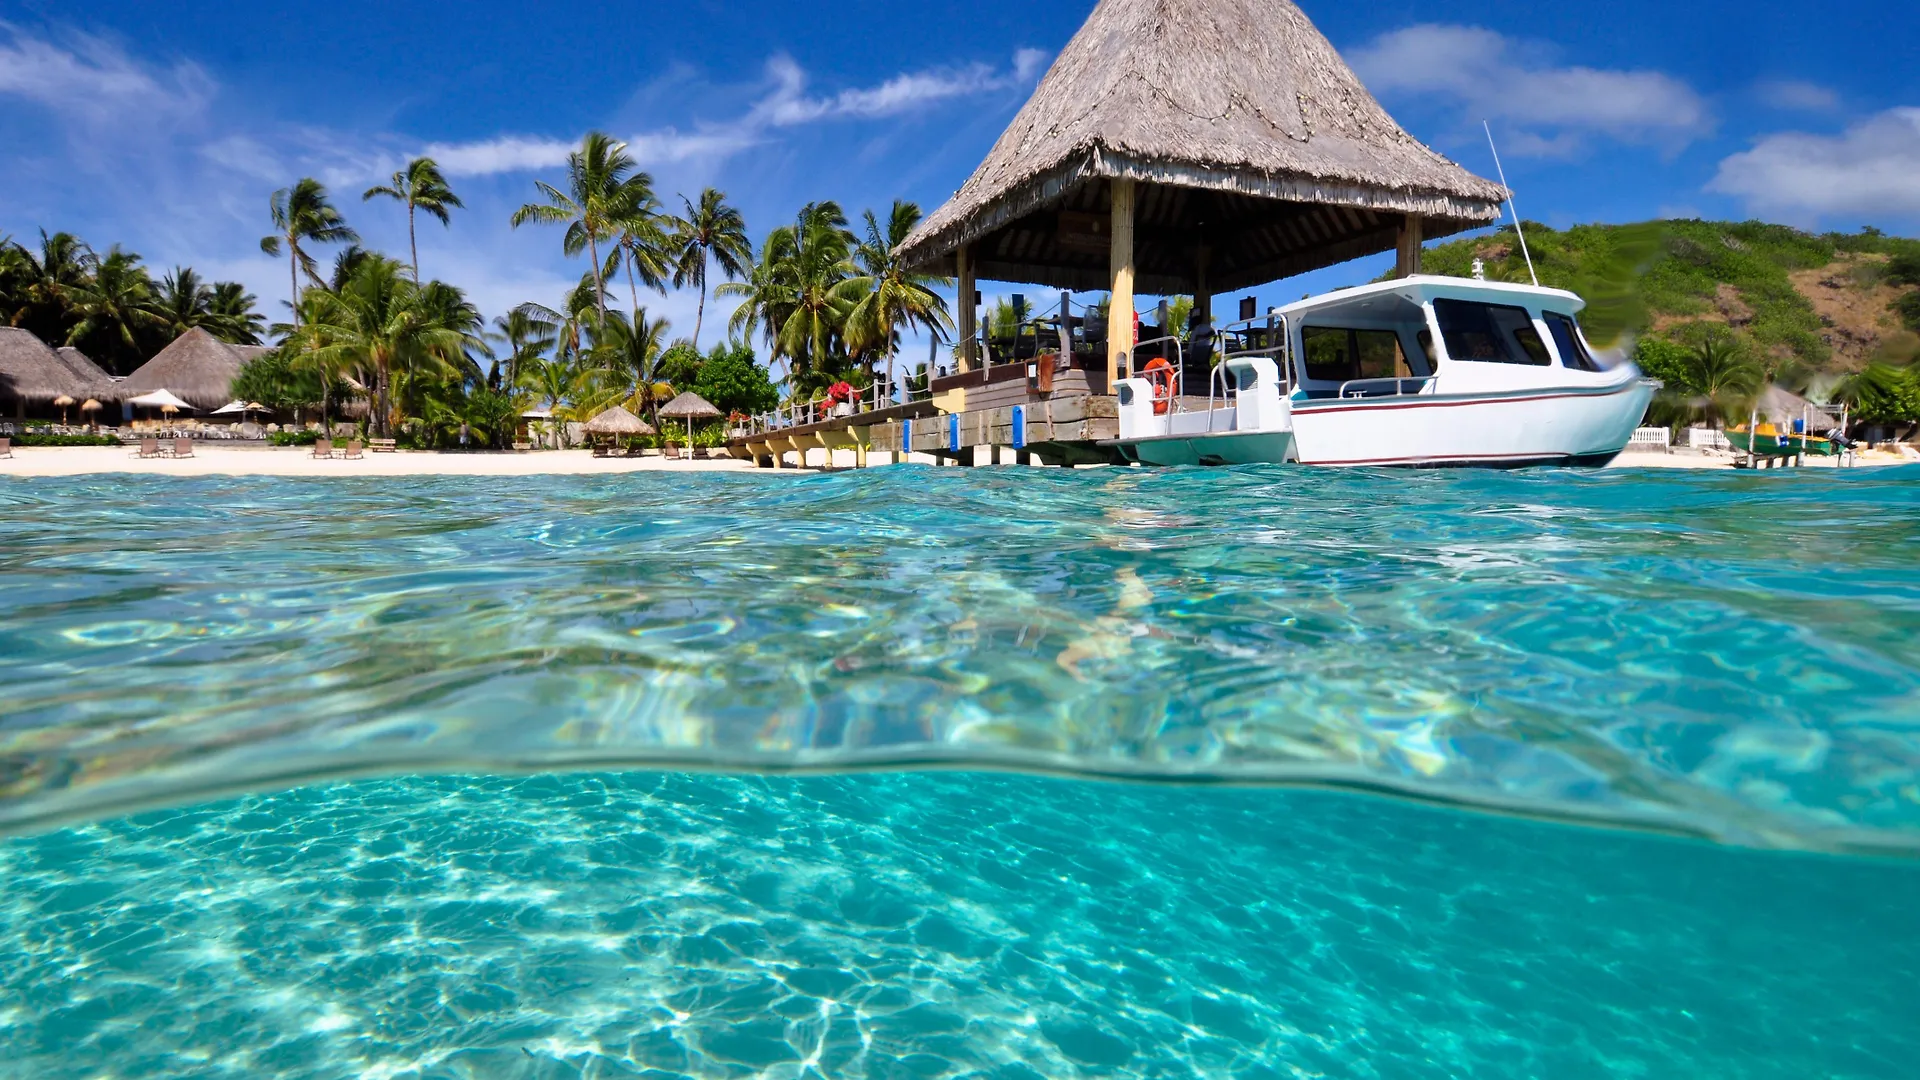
x=1718, y=308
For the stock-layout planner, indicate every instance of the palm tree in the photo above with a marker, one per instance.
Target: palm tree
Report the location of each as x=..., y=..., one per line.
x=114, y=301
x=799, y=294
x=600, y=200
x=382, y=321
x=421, y=187
x=232, y=316
x=644, y=241
x=302, y=213
x=895, y=297
x=632, y=348
x=526, y=337
x=552, y=382
x=711, y=232
x=182, y=302
x=1721, y=371
x=44, y=283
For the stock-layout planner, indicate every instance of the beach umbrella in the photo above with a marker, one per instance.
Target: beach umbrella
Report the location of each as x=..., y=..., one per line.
x=230, y=408
x=618, y=421
x=159, y=399
x=63, y=402
x=689, y=407
x=91, y=406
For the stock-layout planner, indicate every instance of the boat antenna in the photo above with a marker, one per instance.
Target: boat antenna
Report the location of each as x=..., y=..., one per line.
x=1517, y=230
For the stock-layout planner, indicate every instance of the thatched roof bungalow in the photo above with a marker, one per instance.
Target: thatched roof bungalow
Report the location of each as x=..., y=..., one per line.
x=197, y=367
x=1195, y=146
x=33, y=376
x=83, y=366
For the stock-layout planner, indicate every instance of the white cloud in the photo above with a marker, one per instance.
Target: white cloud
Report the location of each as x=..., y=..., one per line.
x=91, y=80
x=786, y=104
x=1870, y=170
x=1797, y=95
x=1496, y=78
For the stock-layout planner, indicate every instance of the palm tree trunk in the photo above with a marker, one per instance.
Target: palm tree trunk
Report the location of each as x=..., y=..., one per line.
x=293, y=279
x=700, y=314
x=413, y=244
x=632, y=289
x=599, y=286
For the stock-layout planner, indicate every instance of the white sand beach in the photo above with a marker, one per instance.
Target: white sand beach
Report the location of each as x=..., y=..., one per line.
x=217, y=459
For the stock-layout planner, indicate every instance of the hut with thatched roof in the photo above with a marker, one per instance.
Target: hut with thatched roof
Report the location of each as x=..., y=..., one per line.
x=198, y=368
x=33, y=377
x=618, y=421
x=1193, y=146
x=83, y=366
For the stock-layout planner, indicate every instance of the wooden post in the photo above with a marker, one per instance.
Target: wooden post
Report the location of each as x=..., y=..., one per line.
x=1202, y=295
x=963, y=258
x=1409, y=256
x=1120, y=307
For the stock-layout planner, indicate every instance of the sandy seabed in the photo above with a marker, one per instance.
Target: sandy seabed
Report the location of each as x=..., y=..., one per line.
x=215, y=459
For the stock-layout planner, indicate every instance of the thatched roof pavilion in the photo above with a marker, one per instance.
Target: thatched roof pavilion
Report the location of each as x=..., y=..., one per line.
x=1195, y=145
x=83, y=366
x=198, y=367
x=32, y=375
x=618, y=421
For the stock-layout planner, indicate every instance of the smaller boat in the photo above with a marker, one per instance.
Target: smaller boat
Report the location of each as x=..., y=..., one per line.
x=1767, y=440
x=1421, y=371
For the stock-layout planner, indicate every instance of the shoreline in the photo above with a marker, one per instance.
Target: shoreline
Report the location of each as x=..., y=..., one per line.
x=216, y=459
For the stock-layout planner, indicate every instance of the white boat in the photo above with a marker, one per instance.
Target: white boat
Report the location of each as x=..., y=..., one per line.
x=1420, y=371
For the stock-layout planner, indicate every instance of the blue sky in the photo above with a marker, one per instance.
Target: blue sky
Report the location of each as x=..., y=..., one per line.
x=166, y=127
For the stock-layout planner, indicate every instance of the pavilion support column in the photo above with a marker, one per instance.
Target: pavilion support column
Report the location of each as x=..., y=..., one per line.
x=1410, y=241
x=963, y=258
x=1120, y=308
x=1202, y=292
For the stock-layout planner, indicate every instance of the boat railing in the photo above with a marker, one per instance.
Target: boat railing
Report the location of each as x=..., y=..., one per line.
x=1221, y=388
x=1361, y=388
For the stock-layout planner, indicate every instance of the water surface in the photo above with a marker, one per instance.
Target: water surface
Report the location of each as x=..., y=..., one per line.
x=1722, y=655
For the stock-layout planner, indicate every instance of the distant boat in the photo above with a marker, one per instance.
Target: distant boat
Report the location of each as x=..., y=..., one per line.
x=1766, y=440
x=1419, y=371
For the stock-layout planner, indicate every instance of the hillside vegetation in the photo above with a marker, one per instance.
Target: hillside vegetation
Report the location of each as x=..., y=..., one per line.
x=1719, y=309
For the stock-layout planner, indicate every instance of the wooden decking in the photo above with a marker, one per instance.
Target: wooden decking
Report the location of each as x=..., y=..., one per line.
x=1057, y=430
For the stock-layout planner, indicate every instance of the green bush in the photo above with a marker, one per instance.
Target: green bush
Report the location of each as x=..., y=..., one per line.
x=292, y=438
x=44, y=439
x=1908, y=307
x=1668, y=361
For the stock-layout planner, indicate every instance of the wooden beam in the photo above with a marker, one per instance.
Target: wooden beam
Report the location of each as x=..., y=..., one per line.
x=1202, y=295
x=1409, y=247
x=1120, y=266
x=963, y=258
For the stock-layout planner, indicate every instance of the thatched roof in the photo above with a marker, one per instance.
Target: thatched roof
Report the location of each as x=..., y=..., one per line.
x=618, y=421
x=82, y=365
x=689, y=406
x=1246, y=132
x=1783, y=407
x=197, y=366
x=34, y=373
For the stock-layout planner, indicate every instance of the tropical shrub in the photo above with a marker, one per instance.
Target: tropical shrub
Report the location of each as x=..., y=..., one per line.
x=292, y=438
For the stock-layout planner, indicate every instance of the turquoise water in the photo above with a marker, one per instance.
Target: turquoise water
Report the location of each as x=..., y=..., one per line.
x=1223, y=670
x=943, y=925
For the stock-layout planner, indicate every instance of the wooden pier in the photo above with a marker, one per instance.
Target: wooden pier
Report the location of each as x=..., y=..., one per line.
x=1047, y=411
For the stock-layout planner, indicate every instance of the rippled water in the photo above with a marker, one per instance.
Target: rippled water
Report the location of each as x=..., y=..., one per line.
x=932, y=926
x=1725, y=655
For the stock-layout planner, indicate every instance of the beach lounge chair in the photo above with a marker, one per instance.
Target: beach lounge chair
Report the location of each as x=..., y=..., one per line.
x=323, y=448
x=148, y=448
x=353, y=448
x=6, y=446
x=183, y=448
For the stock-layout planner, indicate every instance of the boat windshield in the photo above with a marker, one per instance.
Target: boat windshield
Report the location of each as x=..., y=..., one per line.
x=1570, y=344
x=1490, y=333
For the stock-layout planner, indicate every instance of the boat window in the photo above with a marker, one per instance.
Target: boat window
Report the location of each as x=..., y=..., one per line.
x=1490, y=333
x=1339, y=354
x=1573, y=349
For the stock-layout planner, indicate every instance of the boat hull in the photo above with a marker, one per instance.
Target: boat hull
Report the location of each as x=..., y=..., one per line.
x=1217, y=448
x=1505, y=430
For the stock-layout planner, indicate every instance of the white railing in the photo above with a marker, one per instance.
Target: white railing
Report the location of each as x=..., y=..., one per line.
x=1278, y=347
x=1652, y=438
x=1354, y=388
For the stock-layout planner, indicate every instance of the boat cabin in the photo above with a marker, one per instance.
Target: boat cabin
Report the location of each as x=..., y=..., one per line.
x=1401, y=337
